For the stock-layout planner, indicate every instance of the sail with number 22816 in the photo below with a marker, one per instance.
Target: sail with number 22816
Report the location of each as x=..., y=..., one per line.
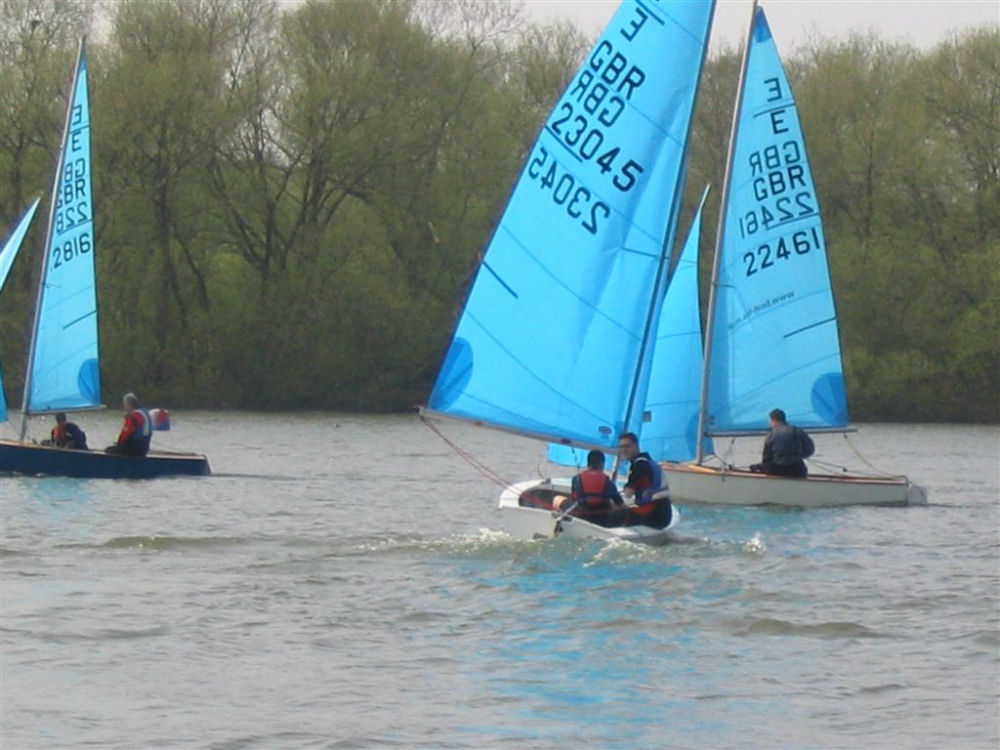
x=63, y=372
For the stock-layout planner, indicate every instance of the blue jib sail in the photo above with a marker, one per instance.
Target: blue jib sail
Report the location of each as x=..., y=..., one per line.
x=549, y=342
x=64, y=372
x=670, y=423
x=775, y=342
x=13, y=243
x=670, y=419
x=7, y=256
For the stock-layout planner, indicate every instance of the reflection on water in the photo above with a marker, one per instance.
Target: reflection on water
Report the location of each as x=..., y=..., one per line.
x=340, y=582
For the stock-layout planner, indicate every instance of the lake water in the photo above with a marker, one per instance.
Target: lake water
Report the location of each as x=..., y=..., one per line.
x=340, y=582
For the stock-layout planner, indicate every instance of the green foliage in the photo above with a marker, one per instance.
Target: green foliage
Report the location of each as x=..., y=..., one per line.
x=291, y=199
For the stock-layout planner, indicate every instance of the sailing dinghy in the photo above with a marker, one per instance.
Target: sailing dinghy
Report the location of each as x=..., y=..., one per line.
x=558, y=333
x=772, y=337
x=63, y=371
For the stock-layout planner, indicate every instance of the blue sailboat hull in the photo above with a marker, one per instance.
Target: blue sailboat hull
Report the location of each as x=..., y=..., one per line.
x=29, y=458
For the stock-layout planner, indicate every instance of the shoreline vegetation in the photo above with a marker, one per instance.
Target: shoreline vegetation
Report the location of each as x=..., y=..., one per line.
x=291, y=200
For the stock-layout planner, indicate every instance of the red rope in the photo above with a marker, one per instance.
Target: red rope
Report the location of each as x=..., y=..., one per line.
x=478, y=465
x=469, y=458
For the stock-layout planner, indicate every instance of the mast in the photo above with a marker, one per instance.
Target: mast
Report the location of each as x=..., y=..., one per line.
x=668, y=240
x=720, y=230
x=56, y=181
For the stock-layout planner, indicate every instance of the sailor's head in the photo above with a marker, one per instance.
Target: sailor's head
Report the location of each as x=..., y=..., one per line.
x=595, y=460
x=130, y=401
x=628, y=445
x=777, y=416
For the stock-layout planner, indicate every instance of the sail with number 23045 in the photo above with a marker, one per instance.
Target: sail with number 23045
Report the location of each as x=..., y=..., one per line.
x=556, y=338
x=556, y=327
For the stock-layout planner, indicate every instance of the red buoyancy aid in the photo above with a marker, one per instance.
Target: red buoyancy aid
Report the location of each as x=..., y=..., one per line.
x=137, y=428
x=592, y=485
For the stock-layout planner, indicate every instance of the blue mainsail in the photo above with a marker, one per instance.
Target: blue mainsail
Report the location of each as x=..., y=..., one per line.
x=552, y=335
x=63, y=371
x=775, y=341
x=7, y=256
x=670, y=424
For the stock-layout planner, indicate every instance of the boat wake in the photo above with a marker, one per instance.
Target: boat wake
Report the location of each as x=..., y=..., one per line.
x=822, y=630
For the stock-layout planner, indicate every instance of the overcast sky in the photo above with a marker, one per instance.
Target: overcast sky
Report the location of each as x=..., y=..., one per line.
x=794, y=22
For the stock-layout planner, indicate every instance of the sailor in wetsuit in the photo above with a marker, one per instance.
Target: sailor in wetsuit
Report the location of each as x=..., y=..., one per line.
x=67, y=435
x=785, y=447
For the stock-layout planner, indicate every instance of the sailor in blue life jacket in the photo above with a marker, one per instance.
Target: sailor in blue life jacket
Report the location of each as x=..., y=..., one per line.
x=594, y=495
x=785, y=447
x=136, y=432
x=645, y=478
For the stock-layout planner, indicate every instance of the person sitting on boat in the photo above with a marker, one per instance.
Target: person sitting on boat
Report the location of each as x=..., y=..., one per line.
x=645, y=478
x=137, y=431
x=67, y=435
x=785, y=447
x=594, y=495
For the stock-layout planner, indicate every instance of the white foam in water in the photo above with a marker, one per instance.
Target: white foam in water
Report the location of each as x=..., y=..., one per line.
x=755, y=544
x=491, y=536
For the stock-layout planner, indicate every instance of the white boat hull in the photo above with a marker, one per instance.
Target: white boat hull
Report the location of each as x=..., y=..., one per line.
x=694, y=484
x=525, y=522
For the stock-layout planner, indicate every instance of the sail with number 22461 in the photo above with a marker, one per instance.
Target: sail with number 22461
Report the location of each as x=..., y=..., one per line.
x=772, y=338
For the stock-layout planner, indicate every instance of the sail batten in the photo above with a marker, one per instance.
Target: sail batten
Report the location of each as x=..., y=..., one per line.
x=551, y=341
x=63, y=367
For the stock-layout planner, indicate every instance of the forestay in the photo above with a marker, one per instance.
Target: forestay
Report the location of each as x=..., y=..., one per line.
x=63, y=370
x=775, y=340
x=551, y=338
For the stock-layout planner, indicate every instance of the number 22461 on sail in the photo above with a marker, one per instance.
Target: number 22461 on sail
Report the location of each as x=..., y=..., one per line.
x=780, y=249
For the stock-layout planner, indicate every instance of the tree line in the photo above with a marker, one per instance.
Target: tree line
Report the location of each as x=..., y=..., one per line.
x=291, y=200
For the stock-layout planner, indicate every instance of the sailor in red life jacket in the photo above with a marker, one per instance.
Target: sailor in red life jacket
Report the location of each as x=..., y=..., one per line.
x=594, y=492
x=645, y=478
x=136, y=432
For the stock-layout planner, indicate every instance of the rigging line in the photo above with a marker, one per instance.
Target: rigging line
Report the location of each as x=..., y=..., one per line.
x=475, y=463
x=832, y=468
x=472, y=461
x=865, y=460
x=827, y=466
